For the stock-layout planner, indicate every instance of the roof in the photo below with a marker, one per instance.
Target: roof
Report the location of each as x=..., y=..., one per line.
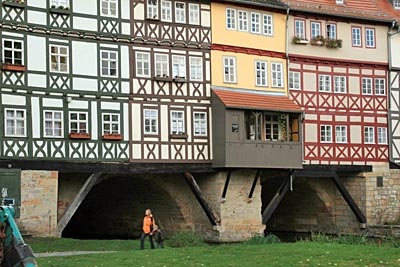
x=387, y=6
x=365, y=9
x=263, y=3
x=241, y=100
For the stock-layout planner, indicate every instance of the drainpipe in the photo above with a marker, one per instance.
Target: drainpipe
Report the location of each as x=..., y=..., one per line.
x=287, y=45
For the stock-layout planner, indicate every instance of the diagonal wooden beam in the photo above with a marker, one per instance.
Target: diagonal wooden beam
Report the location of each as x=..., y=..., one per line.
x=211, y=214
x=73, y=207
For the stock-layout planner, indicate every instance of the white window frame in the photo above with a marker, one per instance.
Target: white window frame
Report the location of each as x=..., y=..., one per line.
x=78, y=122
x=261, y=72
x=150, y=120
x=194, y=14
x=110, y=10
x=161, y=63
x=196, y=68
x=277, y=75
x=58, y=3
x=200, y=124
x=268, y=25
x=15, y=120
x=152, y=9
x=177, y=122
x=370, y=41
x=271, y=124
x=326, y=133
x=366, y=86
x=111, y=122
x=229, y=69
x=324, y=83
x=178, y=66
x=255, y=23
x=294, y=80
x=339, y=2
x=230, y=19
x=315, y=31
x=141, y=64
x=300, y=29
x=356, y=36
x=341, y=134
x=58, y=56
x=331, y=33
x=340, y=84
x=396, y=4
x=243, y=21
x=180, y=13
x=380, y=86
x=107, y=62
x=13, y=51
x=382, y=136
x=53, y=121
x=369, y=135
x=166, y=10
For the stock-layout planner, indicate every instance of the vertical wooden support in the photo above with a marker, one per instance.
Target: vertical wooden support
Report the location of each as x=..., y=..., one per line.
x=253, y=186
x=211, y=214
x=73, y=207
x=228, y=179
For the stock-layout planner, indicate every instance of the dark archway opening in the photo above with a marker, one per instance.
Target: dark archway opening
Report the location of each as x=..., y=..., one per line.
x=115, y=209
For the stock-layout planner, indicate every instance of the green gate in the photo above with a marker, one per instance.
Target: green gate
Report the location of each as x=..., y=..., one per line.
x=10, y=188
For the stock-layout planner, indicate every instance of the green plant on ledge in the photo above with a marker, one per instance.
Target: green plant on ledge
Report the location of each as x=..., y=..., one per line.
x=333, y=43
x=299, y=40
x=318, y=40
x=14, y=1
x=282, y=124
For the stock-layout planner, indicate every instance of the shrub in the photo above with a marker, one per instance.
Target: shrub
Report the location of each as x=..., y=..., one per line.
x=351, y=239
x=321, y=238
x=185, y=239
x=260, y=240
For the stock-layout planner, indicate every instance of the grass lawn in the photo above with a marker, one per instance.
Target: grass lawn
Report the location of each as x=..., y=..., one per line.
x=283, y=254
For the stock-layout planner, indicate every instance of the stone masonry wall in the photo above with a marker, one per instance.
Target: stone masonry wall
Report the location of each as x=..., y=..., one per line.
x=38, y=214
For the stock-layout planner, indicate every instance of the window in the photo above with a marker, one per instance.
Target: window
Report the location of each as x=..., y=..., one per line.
x=315, y=29
x=200, y=123
x=300, y=29
x=294, y=80
x=108, y=63
x=15, y=123
x=277, y=74
x=194, y=14
x=339, y=2
x=150, y=121
x=59, y=58
x=356, y=36
x=243, y=21
x=152, y=9
x=178, y=66
x=341, y=134
x=109, y=8
x=180, y=12
x=78, y=122
x=339, y=84
x=382, y=135
x=261, y=73
x=196, y=68
x=110, y=123
x=230, y=19
x=326, y=133
x=255, y=22
x=142, y=64
x=253, y=122
x=367, y=86
x=369, y=135
x=58, y=3
x=370, y=38
x=324, y=83
x=13, y=52
x=229, y=69
x=271, y=127
x=331, y=31
x=396, y=4
x=177, y=122
x=268, y=27
x=161, y=65
x=380, y=86
x=53, y=123
x=166, y=14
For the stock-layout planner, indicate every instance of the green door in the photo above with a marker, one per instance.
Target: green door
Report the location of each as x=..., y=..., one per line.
x=10, y=188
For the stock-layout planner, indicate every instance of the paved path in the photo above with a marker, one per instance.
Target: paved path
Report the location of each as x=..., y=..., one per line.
x=68, y=253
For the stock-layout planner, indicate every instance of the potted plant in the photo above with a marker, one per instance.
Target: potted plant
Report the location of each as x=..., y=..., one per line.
x=318, y=40
x=334, y=43
x=112, y=136
x=59, y=10
x=76, y=135
x=179, y=79
x=299, y=40
x=14, y=3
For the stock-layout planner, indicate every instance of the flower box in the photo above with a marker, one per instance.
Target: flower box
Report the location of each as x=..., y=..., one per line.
x=14, y=3
x=79, y=136
x=60, y=10
x=333, y=43
x=179, y=79
x=162, y=78
x=298, y=40
x=12, y=67
x=179, y=136
x=116, y=137
x=318, y=40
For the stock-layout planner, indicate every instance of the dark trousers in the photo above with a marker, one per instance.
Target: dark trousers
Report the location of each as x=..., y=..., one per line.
x=143, y=237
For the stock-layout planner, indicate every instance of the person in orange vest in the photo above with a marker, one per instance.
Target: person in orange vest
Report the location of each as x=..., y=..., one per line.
x=148, y=228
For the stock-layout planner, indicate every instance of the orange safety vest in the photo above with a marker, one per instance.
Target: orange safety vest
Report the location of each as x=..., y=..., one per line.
x=148, y=224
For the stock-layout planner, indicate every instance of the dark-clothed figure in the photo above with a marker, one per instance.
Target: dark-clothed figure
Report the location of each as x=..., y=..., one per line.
x=148, y=227
x=158, y=237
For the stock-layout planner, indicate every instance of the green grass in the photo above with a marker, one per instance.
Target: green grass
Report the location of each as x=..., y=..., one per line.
x=272, y=255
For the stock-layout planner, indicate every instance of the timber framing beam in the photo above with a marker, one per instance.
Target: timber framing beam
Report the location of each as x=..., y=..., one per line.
x=77, y=201
x=211, y=214
x=228, y=179
x=253, y=186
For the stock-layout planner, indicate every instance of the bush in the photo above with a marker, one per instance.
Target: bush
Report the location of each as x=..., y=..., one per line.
x=392, y=240
x=185, y=239
x=259, y=240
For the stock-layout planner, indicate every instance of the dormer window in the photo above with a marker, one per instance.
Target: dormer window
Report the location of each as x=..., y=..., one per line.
x=396, y=4
x=340, y=2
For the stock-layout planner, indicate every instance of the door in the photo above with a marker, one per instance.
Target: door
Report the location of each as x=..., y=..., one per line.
x=10, y=188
